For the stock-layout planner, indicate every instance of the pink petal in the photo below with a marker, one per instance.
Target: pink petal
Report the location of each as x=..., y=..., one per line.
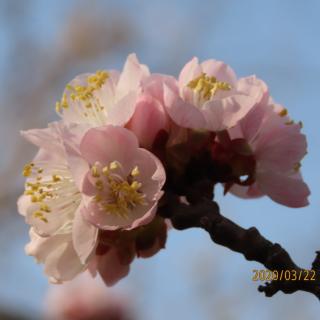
x=57, y=253
x=246, y=192
x=84, y=235
x=54, y=219
x=220, y=70
x=154, y=84
x=152, y=174
x=281, y=146
x=47, y=138
x=190, y=71
x=121, y=112
x=107, y=144
x=149, y=118
x=142, y=220
x=108, y=221
x=110, y=268
x=214, y=112
x=183, y=113
x=252, y=122
x=255, y=88
x=72, y=137
x=226, y=113
x=24, y=203
x=132, y=75
x=287, y=190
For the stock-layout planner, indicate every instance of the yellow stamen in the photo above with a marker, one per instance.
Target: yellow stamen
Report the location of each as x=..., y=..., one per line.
x=105, y=170
x=135, y=185
x=27, y=170
x=95, y=172
x=99, y=185
x=83, y=93
x=114, y=165
x=64, y=102
x=97, y=198
x=45, y=207
x=207, y=86
x=135, y=172
x=58, y=107
x=283, y=112
x=39, y=215
x=297, y=166
x=56, y=178
x=125, y=196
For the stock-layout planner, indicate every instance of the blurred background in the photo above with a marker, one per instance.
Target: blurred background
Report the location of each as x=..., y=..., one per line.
x=44, y=44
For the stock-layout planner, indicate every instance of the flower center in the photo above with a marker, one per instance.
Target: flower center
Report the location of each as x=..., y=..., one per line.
x=88, y=105
x=51, y=188
x=116, y=195
x=207, y=86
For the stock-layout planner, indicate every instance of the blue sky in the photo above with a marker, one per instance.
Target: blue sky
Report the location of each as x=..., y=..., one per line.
x=279, y=42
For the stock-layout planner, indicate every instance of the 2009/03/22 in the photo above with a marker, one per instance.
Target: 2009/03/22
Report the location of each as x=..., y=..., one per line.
x=288, y=275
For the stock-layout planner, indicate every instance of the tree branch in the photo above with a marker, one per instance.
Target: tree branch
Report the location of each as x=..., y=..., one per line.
x=204, y=213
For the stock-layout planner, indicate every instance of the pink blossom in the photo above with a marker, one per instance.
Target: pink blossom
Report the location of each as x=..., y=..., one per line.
x=92, y=191
x=210, y=97
x=278, y=146
x=108, y=97
x=52, y=205
x=150, y=116
x=62, y=189
x=57, y=253
x=123, y=185
x=86, y=298
x=117, y=249
x=148, y=120
x=105, y=97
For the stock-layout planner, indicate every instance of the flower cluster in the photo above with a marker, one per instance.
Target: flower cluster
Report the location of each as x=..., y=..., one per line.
x=125, y=138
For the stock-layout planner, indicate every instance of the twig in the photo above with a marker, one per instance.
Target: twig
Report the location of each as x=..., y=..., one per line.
x=204, y=213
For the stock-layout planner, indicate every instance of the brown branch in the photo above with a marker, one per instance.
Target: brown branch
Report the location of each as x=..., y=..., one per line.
x=204, y=213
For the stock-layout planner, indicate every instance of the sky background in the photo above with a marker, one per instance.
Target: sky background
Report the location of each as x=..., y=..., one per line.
x=44, y=44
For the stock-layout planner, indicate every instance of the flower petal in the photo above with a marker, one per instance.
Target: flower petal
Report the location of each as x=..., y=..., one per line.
x=148, y=119
x=132, y=75
x=84, y=235
x=110, y=268
x=72, y=137
x=190, y=71
x=102, y=144
x=226, y=113
x=219, y=70
x=280, y=146
x=47, y=138
x=152, y=174
x=183, y=113
x=24, y=203
x=153, y=85
x=246, y=192
x=57, y=253
x=287, y=190
x=121, y=112
x=111, y=221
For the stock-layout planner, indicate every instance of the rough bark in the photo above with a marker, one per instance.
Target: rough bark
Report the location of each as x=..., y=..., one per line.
x=201, y=212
